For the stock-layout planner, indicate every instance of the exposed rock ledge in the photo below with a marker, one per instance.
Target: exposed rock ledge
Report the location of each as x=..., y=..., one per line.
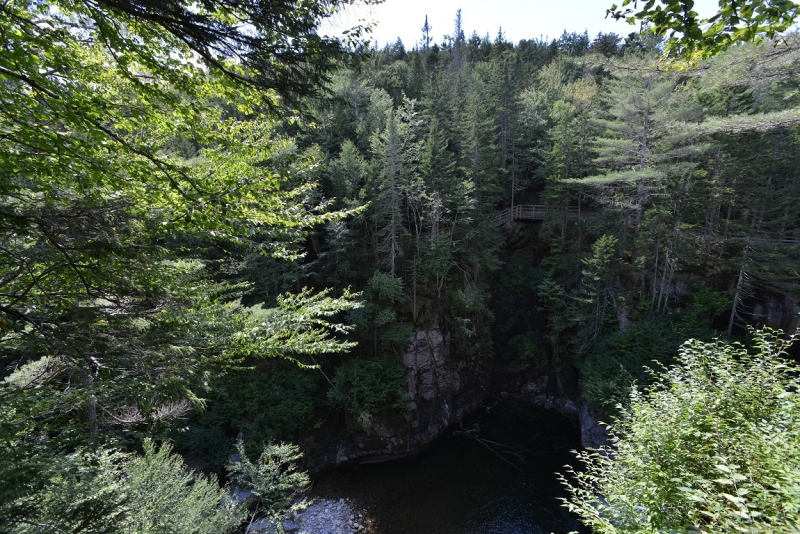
x=323, y=516
x=441, y=390
x=593, y=433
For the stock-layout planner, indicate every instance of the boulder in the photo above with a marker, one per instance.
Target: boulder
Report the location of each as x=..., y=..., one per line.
x=593, y=433
x=290, y=526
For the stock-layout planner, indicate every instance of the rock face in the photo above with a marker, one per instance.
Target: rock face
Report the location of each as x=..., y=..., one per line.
x=764, y=308
x=777, y=311
x=441, y=390
x=593, y=434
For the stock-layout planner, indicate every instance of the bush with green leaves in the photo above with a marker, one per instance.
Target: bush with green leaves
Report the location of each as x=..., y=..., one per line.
x=363, y=387
x=527, y=351
x=110, y=492
x=621, y=359
x=165, y=497
x=276, y=484
x=712, y=446
x=710, y=302
x=385, y=287
x=272, y=400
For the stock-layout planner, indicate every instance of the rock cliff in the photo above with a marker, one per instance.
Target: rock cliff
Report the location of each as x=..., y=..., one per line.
x=442, y=388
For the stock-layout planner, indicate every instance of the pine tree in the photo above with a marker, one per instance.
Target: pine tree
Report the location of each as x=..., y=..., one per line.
x=480, y=157
x=459, y=43
x=347, y=173
x=396, y=151
x=426, y=35
x=638, y=105
x=594, y=296
x=440, y=207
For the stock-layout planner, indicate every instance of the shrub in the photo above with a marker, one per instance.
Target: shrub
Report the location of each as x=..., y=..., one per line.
x=273, y=479
x=709, y=302
x=105, y=491
x=712, y=446
x=165, y=497
x=527, y=350
x=621, y=359
x=363, y=387
x=272, y=401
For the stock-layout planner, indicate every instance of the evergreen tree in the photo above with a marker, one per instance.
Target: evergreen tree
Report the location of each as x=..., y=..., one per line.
x=480, y=156
x=607, y=44
x=459, y=42
x=636, y=142
x=426, y=35
x=396, y=151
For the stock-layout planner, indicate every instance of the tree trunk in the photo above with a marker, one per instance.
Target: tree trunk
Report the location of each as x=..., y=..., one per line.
x=737, y=296
x=663, y=281
x=669, y=287
x=90, y=408
x=655, y=274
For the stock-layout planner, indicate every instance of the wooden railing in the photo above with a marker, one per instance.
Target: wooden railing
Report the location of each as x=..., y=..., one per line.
x=532, y=212
x=538, y=212
x=756, y=240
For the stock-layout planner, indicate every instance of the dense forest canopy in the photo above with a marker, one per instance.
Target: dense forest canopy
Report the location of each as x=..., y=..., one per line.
x=217, y=224
x=123, y=155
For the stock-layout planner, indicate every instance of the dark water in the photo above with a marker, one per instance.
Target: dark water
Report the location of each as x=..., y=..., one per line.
x=504, y=484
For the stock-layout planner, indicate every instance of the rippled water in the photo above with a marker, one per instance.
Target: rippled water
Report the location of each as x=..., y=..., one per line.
x=505, y=484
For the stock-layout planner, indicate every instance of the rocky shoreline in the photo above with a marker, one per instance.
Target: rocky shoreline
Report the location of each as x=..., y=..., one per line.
x=322, y=516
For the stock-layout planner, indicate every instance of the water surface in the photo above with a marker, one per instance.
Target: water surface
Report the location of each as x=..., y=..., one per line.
x=504, y=483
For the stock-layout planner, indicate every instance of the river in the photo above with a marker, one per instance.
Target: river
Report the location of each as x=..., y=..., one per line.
x=499, y=481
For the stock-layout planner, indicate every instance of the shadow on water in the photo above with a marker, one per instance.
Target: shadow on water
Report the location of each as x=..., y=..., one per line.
x=503, y=483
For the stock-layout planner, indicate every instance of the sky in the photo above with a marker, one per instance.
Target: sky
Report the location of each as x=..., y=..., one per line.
x=520, y=19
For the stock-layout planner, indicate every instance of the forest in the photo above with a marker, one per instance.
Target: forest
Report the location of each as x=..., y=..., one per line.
x=235, y=253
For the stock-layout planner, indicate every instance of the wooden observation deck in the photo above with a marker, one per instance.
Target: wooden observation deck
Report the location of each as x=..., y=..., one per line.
x=531, y=212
